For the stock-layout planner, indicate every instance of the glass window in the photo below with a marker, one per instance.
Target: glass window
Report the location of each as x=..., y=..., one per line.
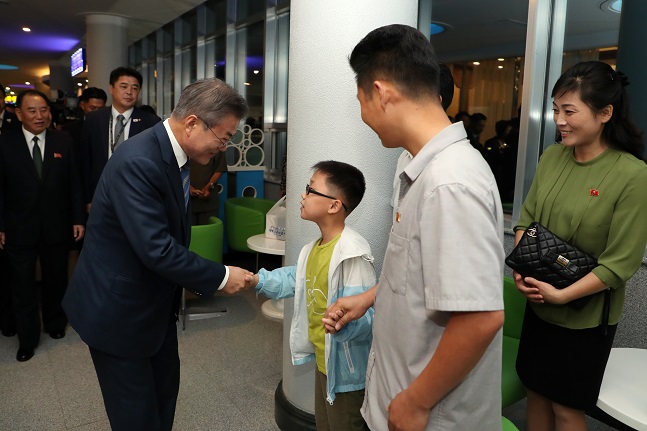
x=168, y=44
x=248, y=8
x=189, y=28
x=254, y=62
x=220, y=56
x=189, y=65
x=216, y=16
x=135, y=54
x=149, y=51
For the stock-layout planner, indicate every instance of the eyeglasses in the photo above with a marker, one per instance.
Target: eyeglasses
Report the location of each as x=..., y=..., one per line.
x=222, y=143
x=314, y=192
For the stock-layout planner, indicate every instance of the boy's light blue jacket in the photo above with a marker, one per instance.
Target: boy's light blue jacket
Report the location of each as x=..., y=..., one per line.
x=350, y=272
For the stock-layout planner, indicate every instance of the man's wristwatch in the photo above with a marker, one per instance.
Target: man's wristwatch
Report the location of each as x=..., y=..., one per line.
x=212, y=186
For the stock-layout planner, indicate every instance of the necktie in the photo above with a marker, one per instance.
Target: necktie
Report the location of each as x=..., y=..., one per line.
x=119, y=131
x=38, y=157
x=184, y=173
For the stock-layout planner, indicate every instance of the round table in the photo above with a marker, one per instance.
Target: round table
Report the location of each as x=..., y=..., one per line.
x=272, y=308
x=623, y=395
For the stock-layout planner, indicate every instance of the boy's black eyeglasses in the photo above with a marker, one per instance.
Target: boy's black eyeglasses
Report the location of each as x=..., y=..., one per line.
x=314, y=192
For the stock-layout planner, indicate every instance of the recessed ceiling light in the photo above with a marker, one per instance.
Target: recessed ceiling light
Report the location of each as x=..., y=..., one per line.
x=437, y=27
x=611, y=6
x=256, y=72
x=79, y=84
x=247, y=83
x=500, y=67
x=501, y=59
x=476, y=63
x=26, y=29
x=27, y=83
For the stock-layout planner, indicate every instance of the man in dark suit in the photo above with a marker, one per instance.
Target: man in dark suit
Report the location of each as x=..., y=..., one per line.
x=104, y=130
x=123, y=298
x=40, y=213
x=8, y=120
x=92, y=99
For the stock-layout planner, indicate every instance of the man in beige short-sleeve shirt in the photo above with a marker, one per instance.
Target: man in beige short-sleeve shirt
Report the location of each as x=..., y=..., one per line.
x=436, y=356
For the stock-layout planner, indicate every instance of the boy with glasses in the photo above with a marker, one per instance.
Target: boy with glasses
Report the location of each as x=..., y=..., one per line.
x=337, y=264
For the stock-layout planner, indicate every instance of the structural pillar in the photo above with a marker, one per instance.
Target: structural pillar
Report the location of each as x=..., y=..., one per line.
x=324, y=123
x=60, y=78
x=631, y=57
x=106, y=48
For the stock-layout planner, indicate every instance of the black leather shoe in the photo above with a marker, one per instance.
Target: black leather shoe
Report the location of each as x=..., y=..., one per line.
x=8, y=333
x=24, y=354
x=57, y=334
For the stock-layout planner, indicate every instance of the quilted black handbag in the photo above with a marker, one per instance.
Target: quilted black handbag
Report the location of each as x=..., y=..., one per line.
x=543, y=255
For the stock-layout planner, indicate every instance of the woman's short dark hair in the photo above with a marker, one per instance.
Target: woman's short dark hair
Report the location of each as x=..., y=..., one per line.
x=598, y=85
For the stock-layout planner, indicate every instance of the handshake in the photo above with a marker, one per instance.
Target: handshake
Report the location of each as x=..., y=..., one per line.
x=239, y=279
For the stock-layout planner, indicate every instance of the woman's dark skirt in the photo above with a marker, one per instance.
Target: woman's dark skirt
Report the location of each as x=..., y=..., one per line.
x=564, y=365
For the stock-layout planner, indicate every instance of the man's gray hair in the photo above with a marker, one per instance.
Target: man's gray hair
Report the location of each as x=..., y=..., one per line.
x=211, y=100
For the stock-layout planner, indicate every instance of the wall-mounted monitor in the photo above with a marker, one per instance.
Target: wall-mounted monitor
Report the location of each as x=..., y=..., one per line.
x=78, y=61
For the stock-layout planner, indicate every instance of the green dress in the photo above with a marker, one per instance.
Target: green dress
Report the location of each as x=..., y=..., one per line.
x=600, y=206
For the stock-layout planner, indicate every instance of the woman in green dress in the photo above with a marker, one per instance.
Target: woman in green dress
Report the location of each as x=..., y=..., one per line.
x=590, y=189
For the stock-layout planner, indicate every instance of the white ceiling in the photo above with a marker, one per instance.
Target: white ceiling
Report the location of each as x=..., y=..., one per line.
x=480, y=28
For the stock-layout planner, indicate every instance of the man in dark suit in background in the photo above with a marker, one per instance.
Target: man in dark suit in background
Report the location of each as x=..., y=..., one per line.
x=104, y=130
x=8, y=120
x=92, y=99
x=40, y=213
x=124, y=296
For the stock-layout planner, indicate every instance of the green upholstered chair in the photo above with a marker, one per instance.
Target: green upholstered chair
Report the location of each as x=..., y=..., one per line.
x=512, y=389
x=245, y=217
x=507, y=425
x=207, y=242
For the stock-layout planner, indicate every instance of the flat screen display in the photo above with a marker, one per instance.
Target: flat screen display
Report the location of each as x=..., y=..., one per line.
x=78, y=61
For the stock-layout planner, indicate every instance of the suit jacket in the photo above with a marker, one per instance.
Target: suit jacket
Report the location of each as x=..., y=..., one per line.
x=9, y=122
x=94, y=143
x=125, y=287
x=39, y=210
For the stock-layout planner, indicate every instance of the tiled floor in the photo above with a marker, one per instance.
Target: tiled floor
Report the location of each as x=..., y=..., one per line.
x=230, y=368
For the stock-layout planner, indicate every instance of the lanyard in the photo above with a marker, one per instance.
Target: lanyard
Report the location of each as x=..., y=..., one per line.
x=113, y=142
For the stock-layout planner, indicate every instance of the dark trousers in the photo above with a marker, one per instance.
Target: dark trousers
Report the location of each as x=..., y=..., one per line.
x=344, y=414
x=7, y=318
x=53, y=263
x=140, y=393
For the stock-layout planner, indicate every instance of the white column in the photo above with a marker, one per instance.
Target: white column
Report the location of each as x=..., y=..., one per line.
x=106, y=47
x=324, y=123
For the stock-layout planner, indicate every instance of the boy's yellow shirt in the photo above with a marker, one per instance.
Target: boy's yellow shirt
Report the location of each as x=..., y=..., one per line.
x=317, y=296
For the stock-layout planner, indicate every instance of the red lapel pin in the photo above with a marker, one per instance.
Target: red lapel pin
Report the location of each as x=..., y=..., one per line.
x=594, y=192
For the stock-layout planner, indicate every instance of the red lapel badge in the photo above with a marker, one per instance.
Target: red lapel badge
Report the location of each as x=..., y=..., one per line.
x=594, y=192
x=58, y=156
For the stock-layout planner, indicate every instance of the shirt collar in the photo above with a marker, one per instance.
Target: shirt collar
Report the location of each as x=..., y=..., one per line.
x=126, y=113
x=449, y=135
x=29, y=136
x=180, y=155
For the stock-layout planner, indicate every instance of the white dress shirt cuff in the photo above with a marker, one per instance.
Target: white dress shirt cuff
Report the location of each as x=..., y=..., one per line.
x=224, y=280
